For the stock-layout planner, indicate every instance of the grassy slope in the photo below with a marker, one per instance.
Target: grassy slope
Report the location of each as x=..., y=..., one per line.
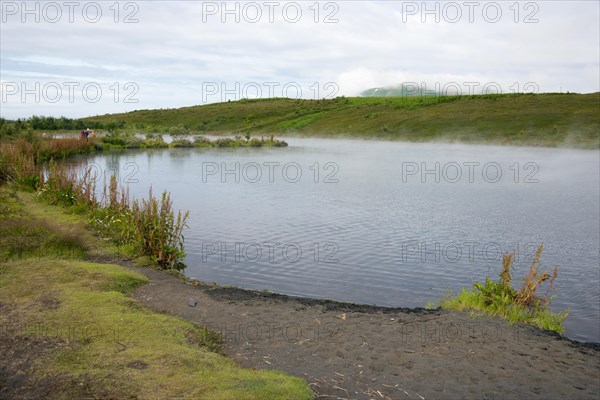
x=544, y=119
x=103, y=344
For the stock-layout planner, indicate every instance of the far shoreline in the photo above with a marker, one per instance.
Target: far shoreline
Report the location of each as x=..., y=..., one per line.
x=335, y=137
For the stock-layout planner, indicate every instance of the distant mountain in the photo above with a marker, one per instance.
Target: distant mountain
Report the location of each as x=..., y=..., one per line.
x=398, y=91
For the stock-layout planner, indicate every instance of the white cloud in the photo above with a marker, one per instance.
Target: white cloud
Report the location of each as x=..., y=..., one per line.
x=171, y=52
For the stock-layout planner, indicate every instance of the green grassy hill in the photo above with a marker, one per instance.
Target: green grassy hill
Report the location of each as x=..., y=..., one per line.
x=571, y=120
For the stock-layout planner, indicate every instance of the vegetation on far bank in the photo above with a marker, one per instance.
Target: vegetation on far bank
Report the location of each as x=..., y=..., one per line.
x=116, y=138
x=70, y=330
x=181, y=137
x=547, y=119
x=501, y=299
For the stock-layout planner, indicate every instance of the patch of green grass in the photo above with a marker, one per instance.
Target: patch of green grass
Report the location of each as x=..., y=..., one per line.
x=469, y=299
x=22, y=236
x=106, y=334
x=300, y=122
x=103, y=337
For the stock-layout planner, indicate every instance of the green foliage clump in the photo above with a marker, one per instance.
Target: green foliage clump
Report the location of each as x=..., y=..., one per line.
x=154, y=141
x=180, y=135
x=202, y=141
x=149, y=227
x=160, y=232
x=179, y=130
x=501, y=299
x=226, y=142
x=121, y=140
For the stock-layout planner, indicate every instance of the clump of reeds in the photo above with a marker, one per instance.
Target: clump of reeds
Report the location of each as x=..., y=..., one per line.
x=149, y=226
x=523, y=305
x=15, y=165
x=505, y=275
x=160, y=231
x=60, y=185
x=527, y=295
x=23, y=160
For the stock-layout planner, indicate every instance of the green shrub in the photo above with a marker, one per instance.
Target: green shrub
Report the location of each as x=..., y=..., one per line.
x=501, y=299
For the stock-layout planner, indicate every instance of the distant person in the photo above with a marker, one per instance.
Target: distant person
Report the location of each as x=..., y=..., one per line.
x=87, y=133
x=82, y=134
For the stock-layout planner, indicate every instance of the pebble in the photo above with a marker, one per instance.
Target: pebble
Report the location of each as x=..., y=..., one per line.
x=192, y=302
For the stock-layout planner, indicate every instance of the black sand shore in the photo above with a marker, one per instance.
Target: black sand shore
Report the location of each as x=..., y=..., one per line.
x=348, y=351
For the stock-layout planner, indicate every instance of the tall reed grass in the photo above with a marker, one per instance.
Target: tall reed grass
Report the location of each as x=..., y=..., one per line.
x=147, y=227
x=160, y=231
x=23, y=160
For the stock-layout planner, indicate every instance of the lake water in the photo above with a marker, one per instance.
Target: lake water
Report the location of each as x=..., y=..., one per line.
x=393, y=224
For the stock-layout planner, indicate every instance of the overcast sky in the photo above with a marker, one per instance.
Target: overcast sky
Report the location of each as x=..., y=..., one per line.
x=86, y=58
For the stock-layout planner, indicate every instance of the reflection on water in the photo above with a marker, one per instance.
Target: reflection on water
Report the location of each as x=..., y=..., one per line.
x=393, y=224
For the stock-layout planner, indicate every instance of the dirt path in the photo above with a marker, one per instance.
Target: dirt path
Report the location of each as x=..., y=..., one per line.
x=363, y=352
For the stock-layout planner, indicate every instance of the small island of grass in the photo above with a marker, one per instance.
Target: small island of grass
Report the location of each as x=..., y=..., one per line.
x=156, y=141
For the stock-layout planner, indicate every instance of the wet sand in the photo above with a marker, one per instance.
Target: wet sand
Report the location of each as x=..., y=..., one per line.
x=348, y=351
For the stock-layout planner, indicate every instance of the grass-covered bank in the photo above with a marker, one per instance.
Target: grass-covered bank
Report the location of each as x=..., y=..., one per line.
x=547, y=119
x=69, y=329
